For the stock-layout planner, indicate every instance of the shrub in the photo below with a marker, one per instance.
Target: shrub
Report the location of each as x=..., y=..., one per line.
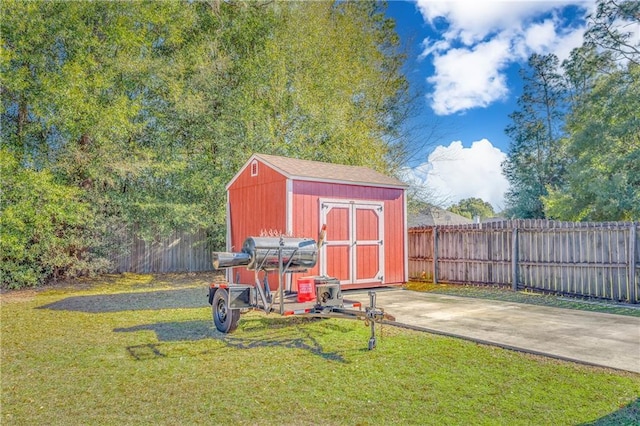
x=44, y=227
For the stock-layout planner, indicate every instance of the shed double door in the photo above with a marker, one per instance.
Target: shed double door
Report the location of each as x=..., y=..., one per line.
x=353, y=250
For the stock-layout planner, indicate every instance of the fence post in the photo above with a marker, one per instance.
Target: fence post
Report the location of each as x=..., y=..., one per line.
x=633, y=294
x=514, y=258
x=435, y=255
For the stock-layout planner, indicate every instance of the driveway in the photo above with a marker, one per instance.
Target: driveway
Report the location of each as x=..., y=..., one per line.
x=588, y=337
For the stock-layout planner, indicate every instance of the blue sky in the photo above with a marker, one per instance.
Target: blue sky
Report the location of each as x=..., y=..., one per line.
x=465, y=56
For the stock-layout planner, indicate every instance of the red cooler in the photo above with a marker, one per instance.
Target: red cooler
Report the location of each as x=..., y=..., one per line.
x=306, y=289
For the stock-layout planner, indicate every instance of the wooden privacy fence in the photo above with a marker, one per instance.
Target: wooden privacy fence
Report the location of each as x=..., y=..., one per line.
x=587, y=259
x=179, y=252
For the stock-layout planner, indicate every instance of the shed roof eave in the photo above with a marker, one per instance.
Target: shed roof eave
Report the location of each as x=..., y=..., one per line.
x=290, y=167
x=346, y=182
x=266, y=161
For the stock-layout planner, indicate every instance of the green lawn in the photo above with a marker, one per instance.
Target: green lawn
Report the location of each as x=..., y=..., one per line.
x=142, y=350
x=507, y=295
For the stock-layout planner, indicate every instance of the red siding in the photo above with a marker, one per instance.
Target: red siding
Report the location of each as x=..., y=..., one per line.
x=367, y=262
x=306, y=218
x=257, y=204
x=368, y=225
x=337, y=260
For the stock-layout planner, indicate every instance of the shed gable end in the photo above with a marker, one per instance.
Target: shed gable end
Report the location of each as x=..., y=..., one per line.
x=255, y=172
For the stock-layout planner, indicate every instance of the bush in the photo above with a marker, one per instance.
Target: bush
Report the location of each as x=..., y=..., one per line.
x=44, y=227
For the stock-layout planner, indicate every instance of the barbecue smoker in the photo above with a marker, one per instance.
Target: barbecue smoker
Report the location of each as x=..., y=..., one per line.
x=285, y=255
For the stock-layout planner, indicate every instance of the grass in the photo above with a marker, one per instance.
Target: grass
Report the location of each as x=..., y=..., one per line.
x=142, y=350
x=507, y=295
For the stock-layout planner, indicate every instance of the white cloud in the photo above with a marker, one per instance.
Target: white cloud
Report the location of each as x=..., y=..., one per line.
x=473, y=20
x=479, y=39
x=468, y=78
x=567, y=41
x=455, y=173
x=540, y=37
x=548, y=36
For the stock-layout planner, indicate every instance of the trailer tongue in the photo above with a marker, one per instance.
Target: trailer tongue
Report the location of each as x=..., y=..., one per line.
x=285, y=255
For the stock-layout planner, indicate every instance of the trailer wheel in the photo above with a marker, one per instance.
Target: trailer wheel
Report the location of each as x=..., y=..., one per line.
x=225, y=318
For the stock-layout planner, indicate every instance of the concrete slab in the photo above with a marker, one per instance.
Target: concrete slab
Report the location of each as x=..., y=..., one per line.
x=588, y=337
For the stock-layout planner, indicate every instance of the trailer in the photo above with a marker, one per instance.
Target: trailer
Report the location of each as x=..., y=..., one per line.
x=284, y=255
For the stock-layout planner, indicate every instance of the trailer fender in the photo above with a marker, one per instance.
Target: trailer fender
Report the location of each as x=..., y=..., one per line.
x=239, y=295
x=212, y=293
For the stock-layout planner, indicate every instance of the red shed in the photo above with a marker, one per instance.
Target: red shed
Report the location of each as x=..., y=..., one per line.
x=364, y=211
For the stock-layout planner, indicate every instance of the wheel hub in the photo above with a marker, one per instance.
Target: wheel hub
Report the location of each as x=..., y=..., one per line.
x=222, y=310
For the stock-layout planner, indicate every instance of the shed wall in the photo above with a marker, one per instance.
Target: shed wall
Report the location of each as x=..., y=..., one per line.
x=257, y=204
x=306, y=213
x=269, y=202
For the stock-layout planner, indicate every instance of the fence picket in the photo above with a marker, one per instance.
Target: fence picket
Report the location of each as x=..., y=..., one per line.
x=588, y=259
x=180, y=251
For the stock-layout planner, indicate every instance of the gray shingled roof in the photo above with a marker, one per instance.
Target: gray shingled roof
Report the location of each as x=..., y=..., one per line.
x=432, y=215
x=317, y=170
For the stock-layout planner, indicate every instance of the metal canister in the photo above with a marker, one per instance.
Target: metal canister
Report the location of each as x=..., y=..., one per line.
x=298, y=254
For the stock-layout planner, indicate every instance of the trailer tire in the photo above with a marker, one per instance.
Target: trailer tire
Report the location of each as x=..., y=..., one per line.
x=225, y=318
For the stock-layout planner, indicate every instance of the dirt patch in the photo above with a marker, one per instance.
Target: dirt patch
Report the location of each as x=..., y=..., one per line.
x=13, y=296
x=110, y=283
x=188, y=297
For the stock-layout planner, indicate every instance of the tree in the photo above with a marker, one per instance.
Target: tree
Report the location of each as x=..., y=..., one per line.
x=326, y=87
x=77, y=83
x=67, y=112
x=611, y=28
x=316, y=80
x=603, y=179
x=473, y=207
x=582, y=70
x=603, y=129
x=535, y=161
x=144, y=111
